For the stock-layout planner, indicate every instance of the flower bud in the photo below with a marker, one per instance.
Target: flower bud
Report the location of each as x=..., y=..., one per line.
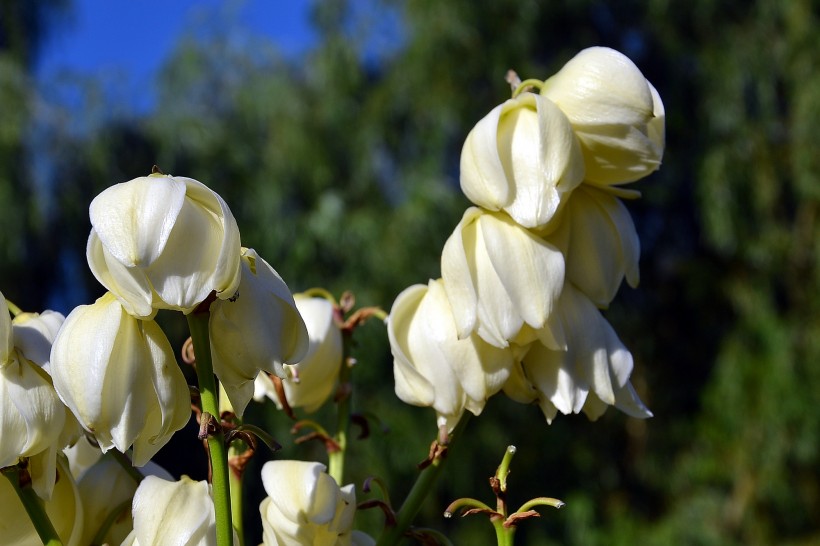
x=163, y=242
x=169, y=512
x=577, y=364
x=432, y=366
x=600, y=245
x=259, y=330
x=499, y=276
x=310, y=383
x=64, y=510
x=119, y=377
x=523, y=158
x=617, y=115
x=305, y=506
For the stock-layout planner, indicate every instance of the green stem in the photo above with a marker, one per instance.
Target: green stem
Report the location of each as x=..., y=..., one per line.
x=504, y=535
x=34, y=508
x=425, y=482
x=541, y=501
x=13, y=308
x=235, y=450
x=504, y=468
x=317, y=292
x=526, y=84
x=198, y=326
x=126, y=464
x=336, y=459
x=236, y=499
x=119, y=511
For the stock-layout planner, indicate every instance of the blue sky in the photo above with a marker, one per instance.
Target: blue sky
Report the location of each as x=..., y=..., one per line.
x=137, y=35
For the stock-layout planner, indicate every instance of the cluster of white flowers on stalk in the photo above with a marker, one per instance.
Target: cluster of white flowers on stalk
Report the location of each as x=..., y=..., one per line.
x=526, y=271
x=157, y=242
x=34, y=423
x=162, y=242
x=517, y=309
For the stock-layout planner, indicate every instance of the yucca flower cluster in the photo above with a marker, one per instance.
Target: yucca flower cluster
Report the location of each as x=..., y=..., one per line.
x=164, y=242
x=527, y=270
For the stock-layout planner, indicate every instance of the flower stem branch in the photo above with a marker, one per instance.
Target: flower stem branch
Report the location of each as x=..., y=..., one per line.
x=13, y=309
x=34, y=508
x=540, y=501
x=526, y=85
x=336, y=458
x=209, y=395
x=126, y=464
x=504, y=468
x=423, y=486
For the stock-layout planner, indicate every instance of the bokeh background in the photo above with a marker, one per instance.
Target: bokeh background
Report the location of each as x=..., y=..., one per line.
x=336, y=144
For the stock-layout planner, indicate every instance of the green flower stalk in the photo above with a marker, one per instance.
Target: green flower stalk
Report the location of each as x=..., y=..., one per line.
x=34, y=508
x=504, y=523
x=425, y=482
x=217, y=452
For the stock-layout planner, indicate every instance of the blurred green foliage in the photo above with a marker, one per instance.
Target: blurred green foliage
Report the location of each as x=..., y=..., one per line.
x=341, y=167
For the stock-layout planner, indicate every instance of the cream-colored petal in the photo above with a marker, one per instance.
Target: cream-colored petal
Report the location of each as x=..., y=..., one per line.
x=458, y=274
x=129, y=285
x=319, y=369
x=530, y=269
x=410, y=385
x=182, y=276
x=34, y=333
x=430, y=342
x=615, y=112
x=523, y=158
x=110, y=369
x=170, y=409
x=627, y=400
x=134, y=219
x=600, y=357
x=542, y=159
x=302, y=490
x=31, y=415
x=601, y=85
x=259, y=330
x=173, y=512
x=483, y=178
x=226, y=277
x=598, y=238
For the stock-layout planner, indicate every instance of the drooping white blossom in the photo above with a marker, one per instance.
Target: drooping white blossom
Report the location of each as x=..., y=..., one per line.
x=305, y=505
x=260, y=329
x=577, y=364
x=499, y=276
x=597, y=237
x=616, y=113
x=432, y=366
x=163, y=242
x=522, y=158
x=173, y=512
x=119, y=377
x=34, y=423
x=310, y=383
